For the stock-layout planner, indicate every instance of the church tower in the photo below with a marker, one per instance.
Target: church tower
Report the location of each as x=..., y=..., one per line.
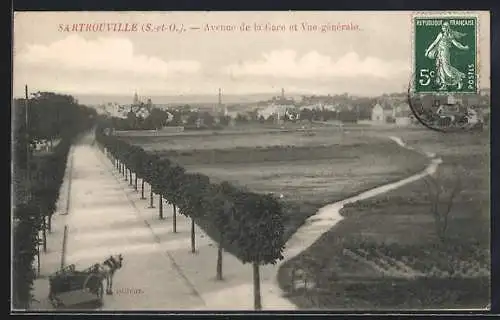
x=218, y=108
x=136, y=99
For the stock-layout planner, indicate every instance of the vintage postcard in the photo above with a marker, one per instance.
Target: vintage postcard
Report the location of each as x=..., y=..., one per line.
x=215, y=161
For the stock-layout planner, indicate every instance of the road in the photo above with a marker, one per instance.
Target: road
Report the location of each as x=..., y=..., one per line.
x=102, y=222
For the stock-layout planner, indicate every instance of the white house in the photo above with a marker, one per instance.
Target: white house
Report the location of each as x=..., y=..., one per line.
x=114, y=109
x=275, y=109
x=381, y=112
x=403, y=114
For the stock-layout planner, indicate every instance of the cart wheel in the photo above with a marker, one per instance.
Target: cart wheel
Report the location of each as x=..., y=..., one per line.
x=100, y=292
x=93, y=284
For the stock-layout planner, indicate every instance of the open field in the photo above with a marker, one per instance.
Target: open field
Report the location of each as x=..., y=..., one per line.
x=309, y=170
x=386, y=254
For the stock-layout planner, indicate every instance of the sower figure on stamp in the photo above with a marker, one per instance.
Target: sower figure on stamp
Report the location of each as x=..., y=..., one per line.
x=439, y=49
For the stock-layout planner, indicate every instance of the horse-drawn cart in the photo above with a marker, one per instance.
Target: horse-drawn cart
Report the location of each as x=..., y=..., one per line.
x=69, y=287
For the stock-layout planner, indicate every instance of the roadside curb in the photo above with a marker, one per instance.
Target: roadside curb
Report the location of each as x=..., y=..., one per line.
x=69, y=175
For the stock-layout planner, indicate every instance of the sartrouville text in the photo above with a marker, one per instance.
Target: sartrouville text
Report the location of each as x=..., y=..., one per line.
x=98, y=27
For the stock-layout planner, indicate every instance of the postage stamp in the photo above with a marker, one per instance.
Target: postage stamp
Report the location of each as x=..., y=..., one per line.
x=445, y=54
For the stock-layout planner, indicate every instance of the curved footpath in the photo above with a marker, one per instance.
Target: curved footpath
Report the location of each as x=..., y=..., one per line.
x=329, y=215
x=106, y=216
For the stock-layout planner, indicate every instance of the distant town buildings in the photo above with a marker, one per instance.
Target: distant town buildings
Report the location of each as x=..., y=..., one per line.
x=391, y=111
x=220, y=109
x=279, y=107
x=387, y=108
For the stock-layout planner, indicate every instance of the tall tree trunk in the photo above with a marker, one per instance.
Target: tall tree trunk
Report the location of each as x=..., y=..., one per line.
x=193, y=237
x=44, y=233
x=135, y=182
x=174, y=218
x=38, y=260
x=130, y=175
x=142, y=189
x=219, y=260
x=151, y=197
x=50, y=223
x=160, y=205
x=256, y=287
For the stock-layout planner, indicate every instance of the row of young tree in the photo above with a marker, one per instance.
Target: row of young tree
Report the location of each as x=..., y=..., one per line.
x=50, y=116
x=246, y=224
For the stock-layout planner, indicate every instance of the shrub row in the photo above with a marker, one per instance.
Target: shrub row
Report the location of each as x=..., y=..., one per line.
x=49, y=116
x=247, y=224
x=30, y=218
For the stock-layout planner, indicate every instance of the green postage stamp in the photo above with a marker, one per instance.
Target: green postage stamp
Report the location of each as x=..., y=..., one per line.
x=445, y=54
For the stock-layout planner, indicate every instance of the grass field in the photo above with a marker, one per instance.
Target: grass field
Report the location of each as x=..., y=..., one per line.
x=386, y=253
x=310, y=170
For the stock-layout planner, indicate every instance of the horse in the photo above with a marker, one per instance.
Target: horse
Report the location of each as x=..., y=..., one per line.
x=107, y=270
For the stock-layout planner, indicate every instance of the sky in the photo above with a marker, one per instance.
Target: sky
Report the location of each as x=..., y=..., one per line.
x=371, y=58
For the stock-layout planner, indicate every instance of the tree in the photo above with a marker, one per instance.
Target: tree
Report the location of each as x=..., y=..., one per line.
x=253, y=115
x=218, y=205
x=193, y=189
x=161, y=177
x=172, y=190
x=133, y=120
x=317, y=114
x=157, y=118
x=136, y=157
x=271, y=118
x=348, y=116
x=192, y=118
x=241, y=118
x=140, y=162
x=144, y=171
x=24, y=250
x=260, y=238
x=443, y=188
x=208, y=119
x=306, y=114
x=150, y=175
x=224, y=120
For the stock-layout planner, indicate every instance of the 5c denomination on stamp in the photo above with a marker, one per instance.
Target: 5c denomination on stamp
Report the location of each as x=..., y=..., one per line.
x=445, y=54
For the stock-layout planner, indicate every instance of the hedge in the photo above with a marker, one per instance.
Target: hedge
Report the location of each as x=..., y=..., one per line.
x=251, y=224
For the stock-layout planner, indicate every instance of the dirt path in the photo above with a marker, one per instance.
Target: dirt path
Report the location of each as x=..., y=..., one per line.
x=329, y=215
